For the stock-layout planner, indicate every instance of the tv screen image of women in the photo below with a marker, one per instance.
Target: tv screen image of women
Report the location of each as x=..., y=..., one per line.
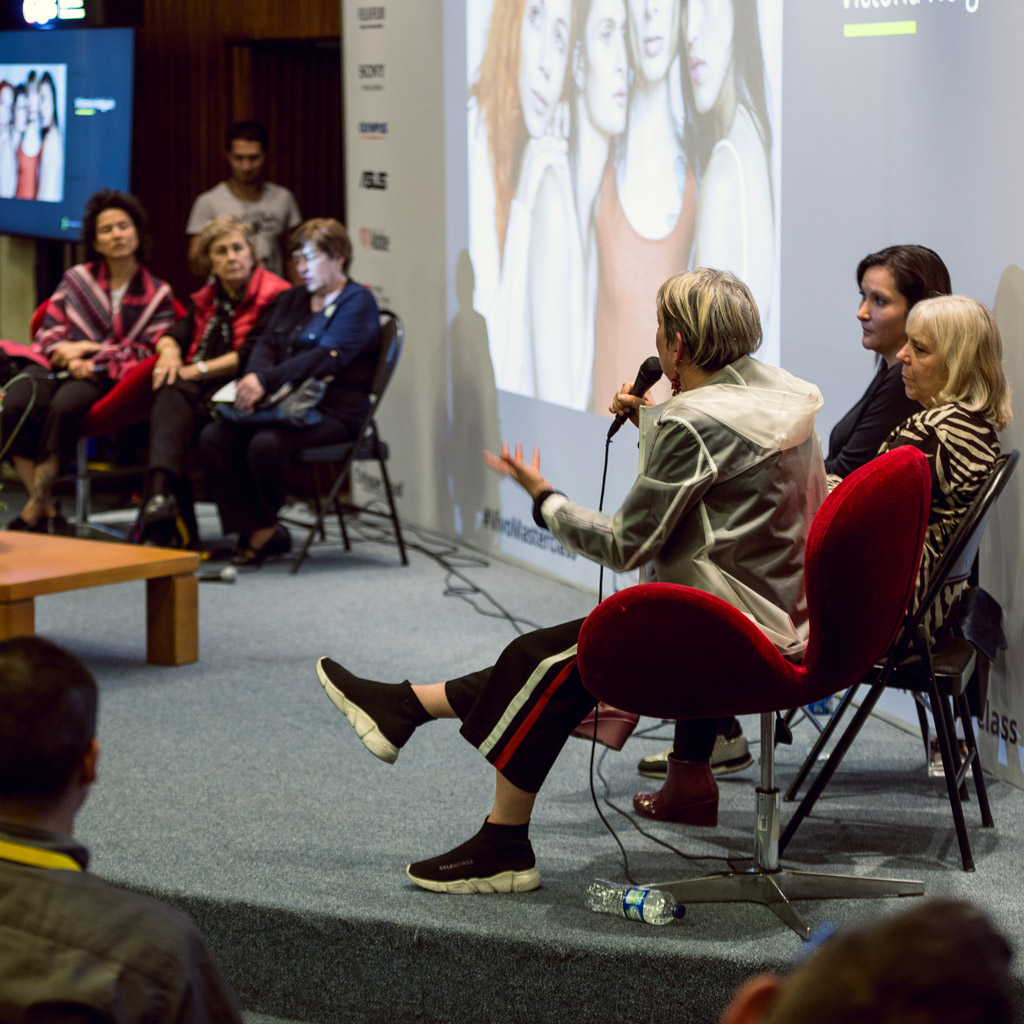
x=33, y=109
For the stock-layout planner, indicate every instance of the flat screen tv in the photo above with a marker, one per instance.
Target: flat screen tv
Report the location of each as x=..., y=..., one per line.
x=65, y=125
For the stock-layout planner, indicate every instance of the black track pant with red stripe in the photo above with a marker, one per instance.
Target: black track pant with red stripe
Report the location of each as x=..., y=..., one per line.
x=520, y=712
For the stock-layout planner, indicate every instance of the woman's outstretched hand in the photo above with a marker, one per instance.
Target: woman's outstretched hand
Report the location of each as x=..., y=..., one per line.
x=529, y=477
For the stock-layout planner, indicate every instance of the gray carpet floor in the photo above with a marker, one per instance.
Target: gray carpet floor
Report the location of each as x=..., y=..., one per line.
x=233, y=789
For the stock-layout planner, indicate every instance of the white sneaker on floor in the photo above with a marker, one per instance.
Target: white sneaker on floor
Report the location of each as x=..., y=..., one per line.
x=729, y=755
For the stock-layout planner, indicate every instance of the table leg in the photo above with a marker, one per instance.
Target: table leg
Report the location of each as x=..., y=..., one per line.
x=172, y=620
x=17, y=618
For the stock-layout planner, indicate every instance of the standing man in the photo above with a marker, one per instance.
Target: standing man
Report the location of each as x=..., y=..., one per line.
x=73, y=947
x=270, y=209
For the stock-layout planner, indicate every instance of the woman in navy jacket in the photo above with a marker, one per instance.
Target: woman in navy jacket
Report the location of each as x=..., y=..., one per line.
x=327, y=328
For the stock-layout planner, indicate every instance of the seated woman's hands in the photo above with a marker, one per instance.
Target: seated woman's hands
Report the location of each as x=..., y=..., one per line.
x=63, y=353
x=81, y=369
x=629, y=404
x=168, y=366
x=529, y=477
x=248, y=392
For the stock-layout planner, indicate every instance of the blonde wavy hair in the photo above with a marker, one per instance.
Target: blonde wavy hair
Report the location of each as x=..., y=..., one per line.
x=968, y=342
x=714, y=312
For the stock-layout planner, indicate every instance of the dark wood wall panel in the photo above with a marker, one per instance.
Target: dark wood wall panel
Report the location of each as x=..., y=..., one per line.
x=191, y=66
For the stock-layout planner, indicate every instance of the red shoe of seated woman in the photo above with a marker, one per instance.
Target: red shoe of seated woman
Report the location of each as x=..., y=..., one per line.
x=689, y=795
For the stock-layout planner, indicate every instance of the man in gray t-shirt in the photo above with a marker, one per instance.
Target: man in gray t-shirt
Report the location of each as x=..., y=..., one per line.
x=270, y=209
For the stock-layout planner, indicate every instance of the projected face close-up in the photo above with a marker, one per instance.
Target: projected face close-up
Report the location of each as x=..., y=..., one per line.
x=543, y=56
x=20, y=113
x=656, y=33
x=709, y=34
x=47, y=105
x=605, y=91
x=6, y=107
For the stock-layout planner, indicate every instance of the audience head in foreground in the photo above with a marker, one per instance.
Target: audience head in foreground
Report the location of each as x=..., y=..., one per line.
x=48, y=745
x=940, y=963
x=72, y=946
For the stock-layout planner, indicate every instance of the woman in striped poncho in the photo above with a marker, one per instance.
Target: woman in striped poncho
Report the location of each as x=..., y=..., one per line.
x=953, y=365
x=102, y=320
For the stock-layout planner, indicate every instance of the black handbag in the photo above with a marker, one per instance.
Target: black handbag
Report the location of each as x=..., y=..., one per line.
x=292, y=405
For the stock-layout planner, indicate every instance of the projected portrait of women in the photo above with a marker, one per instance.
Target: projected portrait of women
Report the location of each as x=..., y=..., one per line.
x=8, y=143
x=646, y=205
x=534, y=297
x=50, y=187
x=9, y=166
x=724, y=81
x=598, y=95
x=30, y=144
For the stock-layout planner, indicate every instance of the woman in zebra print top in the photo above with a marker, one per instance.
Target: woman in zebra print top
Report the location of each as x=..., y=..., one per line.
x=952, y=365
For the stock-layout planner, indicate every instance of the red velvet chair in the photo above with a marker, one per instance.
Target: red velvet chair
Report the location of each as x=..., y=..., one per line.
x=705, y=659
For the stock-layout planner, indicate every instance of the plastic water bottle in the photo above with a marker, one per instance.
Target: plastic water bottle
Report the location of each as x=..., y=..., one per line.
x=652, y=906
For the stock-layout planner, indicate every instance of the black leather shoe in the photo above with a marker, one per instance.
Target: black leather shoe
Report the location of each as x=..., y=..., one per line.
x=279, y=543
x=159, y=508
x=56, y=526
x=19, y=524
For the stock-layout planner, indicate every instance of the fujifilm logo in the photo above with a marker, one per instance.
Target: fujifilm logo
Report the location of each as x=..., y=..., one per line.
x=370, y=17
x=374, y=179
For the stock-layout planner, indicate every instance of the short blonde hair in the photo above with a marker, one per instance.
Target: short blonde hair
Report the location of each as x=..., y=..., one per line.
x=968, y=342
x=216, y=229
x=714, y=312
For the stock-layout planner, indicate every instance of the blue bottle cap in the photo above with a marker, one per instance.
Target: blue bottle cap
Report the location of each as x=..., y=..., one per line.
x=679, y=911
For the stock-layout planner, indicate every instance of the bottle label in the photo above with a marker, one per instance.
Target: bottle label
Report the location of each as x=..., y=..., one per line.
x=633, y=903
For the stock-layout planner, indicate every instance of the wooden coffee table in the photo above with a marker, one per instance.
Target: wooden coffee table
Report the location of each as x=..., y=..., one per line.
x=33, y=564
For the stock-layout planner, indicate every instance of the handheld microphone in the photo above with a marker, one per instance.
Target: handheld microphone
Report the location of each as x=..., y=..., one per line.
x=648, y=374
x=211, y=575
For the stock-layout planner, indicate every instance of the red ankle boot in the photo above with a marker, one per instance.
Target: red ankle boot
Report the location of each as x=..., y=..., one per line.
x=689, y=795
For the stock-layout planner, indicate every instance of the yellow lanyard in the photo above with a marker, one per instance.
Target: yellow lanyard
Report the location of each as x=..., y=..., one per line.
x=23, y=854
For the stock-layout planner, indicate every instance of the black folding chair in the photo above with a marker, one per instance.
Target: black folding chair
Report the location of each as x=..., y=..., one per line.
x=935, y=667
x=366, y=446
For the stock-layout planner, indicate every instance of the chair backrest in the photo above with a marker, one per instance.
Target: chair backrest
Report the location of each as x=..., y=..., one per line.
x=954, y=565
x=126, y=403
x=37, y=318
x=640, y=648
x=963, y=545
x=392, y=336
x=861, y=564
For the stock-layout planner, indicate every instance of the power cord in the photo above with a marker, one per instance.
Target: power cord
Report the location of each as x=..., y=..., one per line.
x=451, y=557
x=596, y=767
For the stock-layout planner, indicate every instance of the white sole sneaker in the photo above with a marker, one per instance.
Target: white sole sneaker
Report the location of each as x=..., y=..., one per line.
x=728, y=756
x=504, y=881
x=366, y=728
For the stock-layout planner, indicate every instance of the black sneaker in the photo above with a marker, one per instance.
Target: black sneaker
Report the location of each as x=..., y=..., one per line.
x=375, y=710
x=479, y=865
